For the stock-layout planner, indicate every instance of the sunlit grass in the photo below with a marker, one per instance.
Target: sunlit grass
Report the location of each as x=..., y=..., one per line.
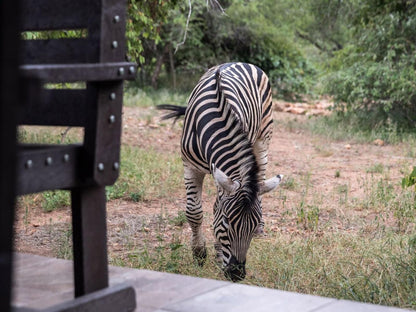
x=348, y=129
x=148, y=97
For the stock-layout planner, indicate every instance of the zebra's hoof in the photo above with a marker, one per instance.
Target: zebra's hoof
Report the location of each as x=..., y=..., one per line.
x=200, y=254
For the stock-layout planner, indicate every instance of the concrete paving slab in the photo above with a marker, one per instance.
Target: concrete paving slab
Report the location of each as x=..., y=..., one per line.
x=237, y=297
x=41, y=281
x=155, y=290
x=25, y=261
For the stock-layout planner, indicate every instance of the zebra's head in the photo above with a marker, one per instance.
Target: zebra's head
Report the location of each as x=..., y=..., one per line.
x=237, y=214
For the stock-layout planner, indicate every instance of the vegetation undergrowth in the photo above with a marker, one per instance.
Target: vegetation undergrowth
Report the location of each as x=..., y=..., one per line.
x=148, y=97
x=351, y=127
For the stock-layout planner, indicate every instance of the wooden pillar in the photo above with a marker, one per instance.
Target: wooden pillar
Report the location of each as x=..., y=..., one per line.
x=90, y=239
x=9, y=102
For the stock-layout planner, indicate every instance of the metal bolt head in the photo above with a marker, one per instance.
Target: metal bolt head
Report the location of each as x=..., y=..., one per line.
x=29, y=164
x=100, y=167
x=116, y=166
x=116, y=19
x=121, y=71
x=112, y=96
x=112, y=119
x=132, y=70
x=48, y=161
x=66, y=158
x=114, y=44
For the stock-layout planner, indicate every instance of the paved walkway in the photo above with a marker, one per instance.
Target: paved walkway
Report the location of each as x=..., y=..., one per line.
x=40, y=282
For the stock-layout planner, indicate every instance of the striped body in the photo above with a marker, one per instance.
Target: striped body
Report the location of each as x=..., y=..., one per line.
x=227, y=130
x=228, y=99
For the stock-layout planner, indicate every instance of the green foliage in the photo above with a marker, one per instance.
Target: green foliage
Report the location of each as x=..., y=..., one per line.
x=144, y=22
x=55, y=34
x=249, y=33
x=375, y=75
x=410, y=179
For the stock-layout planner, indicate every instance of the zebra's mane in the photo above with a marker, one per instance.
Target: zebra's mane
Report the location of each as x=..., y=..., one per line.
x=248, y=172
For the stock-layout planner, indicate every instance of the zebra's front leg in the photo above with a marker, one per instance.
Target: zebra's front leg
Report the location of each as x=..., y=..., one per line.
x=194, y=213
x=260, y=149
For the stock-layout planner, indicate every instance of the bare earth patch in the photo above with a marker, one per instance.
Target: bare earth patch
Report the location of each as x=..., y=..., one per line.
x=327, y=187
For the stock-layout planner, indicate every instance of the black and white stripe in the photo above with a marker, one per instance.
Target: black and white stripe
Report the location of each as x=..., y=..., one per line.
x=226, y=133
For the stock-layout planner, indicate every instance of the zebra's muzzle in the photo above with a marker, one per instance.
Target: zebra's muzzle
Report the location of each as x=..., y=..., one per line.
x=235, y=271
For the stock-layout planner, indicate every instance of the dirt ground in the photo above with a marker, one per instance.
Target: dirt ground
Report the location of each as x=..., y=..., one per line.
x=327, y=184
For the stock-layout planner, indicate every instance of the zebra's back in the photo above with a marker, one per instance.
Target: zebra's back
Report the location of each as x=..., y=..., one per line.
x=228, y=110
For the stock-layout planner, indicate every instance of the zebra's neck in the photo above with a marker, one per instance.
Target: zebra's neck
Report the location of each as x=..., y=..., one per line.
x=231, y=151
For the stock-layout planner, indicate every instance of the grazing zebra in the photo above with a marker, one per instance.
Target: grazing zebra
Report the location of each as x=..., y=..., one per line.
x=226, y=133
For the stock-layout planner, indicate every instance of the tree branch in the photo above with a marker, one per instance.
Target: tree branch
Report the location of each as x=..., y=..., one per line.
x=186, y=27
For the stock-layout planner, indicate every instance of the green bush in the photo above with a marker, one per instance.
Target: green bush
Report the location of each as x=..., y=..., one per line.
x=375, y=76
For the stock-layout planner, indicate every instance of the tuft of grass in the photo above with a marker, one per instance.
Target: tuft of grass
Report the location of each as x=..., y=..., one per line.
x=289, y=183
x=55, y=199
x=376, y=168
x=49, y=135
x=180, y=219
x=64, y=247
x=149, y=97
x=146, y=174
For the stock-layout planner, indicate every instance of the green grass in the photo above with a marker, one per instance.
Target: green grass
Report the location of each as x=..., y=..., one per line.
x=380, y=269
x=349, y=128
x=375, y=263
x=146, y=174
x=149, y=97
x=141, y=178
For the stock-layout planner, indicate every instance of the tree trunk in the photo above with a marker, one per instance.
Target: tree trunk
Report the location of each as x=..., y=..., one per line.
x=158, y=66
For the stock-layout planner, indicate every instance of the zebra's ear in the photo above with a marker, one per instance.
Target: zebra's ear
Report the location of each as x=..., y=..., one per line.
x=270, y=184
x=222, y=180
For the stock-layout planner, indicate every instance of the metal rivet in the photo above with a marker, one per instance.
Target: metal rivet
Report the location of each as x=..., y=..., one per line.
x=132, y=70
x=100, y=167
x=112, y=96
x=114, y=44
x=112, y=119
x=116, y=19
x=121, y=71
x=116, y=166
x=66, y=158
x=48, y=161
x=29, y=164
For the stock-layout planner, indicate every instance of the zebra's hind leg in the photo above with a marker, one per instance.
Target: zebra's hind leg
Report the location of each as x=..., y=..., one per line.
x=194, y=213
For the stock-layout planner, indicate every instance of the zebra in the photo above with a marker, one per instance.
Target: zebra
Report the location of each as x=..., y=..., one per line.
x=226, y=132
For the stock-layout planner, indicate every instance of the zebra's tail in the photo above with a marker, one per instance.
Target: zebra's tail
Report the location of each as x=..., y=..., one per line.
x=176, y=111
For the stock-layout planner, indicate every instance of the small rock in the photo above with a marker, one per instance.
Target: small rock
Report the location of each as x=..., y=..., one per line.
x=347, y=146
x=378, y=142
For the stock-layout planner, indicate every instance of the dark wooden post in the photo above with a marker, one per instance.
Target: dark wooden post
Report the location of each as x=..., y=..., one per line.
x=86, y=168
x=9, y=102
x=90, y=239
